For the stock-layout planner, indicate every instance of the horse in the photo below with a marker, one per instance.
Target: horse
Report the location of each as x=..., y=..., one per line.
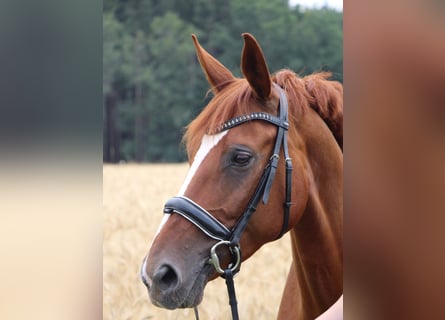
x=265, y=159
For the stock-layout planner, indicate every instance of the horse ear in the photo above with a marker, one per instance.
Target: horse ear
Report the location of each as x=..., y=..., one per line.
x=254, y=67
x=216, y=73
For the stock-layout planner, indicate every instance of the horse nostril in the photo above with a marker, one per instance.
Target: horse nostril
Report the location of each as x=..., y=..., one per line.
x=165, y=277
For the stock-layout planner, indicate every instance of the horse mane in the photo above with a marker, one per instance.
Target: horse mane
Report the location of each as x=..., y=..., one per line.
x=313, y=91
x=317, y=92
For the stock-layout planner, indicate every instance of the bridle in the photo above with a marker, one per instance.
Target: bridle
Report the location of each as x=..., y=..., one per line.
x=208, y=224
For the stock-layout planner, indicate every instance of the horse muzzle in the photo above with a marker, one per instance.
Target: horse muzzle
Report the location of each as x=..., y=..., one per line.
x=170, y=288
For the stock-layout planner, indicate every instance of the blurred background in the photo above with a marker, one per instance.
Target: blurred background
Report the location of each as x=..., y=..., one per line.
x=153, y=85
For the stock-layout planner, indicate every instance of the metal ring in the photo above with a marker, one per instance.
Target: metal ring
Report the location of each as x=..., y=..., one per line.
x=214, y=260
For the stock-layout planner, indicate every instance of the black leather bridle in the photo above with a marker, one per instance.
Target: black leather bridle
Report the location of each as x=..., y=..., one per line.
x=204, y=220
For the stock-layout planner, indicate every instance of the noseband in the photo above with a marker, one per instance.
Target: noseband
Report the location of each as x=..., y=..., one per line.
x=207, y=223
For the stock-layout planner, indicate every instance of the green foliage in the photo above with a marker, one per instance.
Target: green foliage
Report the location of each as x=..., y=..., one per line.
x=152, y=83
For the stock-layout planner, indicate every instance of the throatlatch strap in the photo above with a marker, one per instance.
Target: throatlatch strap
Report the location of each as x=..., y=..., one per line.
x=287, y=202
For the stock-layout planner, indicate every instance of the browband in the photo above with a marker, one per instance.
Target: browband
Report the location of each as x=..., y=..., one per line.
x=236, y=121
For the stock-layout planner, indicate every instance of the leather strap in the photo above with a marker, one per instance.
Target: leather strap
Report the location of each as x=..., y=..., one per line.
x=234, y=122
x=197, y=215
x=228, y=275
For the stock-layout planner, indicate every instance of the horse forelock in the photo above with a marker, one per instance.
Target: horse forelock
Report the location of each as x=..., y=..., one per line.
x=230, y=102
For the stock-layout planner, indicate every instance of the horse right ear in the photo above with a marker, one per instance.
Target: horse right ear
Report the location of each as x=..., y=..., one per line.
x=216, y=73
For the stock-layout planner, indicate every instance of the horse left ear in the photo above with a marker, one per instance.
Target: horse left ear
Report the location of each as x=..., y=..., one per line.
x=254, y=67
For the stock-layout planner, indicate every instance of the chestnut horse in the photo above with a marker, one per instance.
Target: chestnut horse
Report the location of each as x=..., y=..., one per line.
x=272, y=138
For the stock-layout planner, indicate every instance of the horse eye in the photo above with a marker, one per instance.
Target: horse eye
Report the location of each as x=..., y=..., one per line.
x=241, y=158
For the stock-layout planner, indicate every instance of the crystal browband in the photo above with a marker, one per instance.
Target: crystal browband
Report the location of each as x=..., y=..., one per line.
x=249, y=117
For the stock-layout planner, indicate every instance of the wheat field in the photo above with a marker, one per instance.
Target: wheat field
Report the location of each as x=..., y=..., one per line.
x=133, y=198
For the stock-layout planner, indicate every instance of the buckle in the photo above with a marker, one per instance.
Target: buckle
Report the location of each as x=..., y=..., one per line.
x=235, y=253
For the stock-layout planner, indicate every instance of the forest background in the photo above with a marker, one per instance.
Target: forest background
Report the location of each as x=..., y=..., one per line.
x=153, y=85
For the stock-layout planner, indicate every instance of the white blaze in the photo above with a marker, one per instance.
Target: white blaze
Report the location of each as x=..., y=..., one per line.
x=207, y=144
x=163, y=221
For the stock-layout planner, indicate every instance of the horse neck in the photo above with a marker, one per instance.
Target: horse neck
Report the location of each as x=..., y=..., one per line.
x=317, y=237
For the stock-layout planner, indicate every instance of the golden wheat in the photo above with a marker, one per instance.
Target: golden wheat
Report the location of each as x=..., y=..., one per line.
x=133, y=198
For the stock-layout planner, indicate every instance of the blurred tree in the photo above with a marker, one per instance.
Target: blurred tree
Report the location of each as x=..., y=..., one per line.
x=114, y=40
x=171, y=94
x=318, y=36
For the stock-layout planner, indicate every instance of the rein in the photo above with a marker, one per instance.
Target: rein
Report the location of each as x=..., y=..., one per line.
x=208, y=224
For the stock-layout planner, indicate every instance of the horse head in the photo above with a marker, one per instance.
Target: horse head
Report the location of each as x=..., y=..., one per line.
x=240, y=175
